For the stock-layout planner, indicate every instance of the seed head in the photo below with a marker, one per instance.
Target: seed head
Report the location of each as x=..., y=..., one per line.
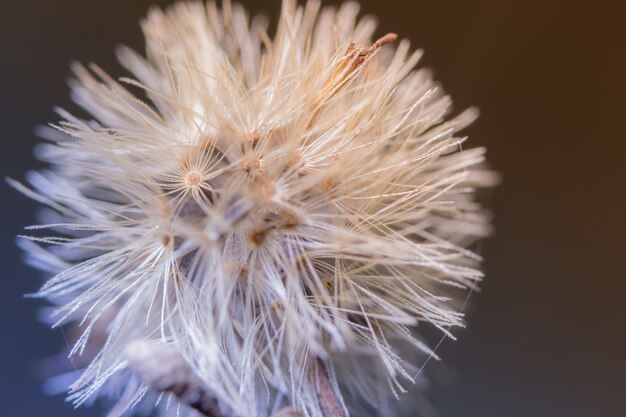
x=278, y=212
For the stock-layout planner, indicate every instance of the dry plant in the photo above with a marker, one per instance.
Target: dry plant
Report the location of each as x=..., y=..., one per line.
x=263, y=230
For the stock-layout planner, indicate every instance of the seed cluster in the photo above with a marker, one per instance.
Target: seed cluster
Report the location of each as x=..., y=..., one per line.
x=281, y=209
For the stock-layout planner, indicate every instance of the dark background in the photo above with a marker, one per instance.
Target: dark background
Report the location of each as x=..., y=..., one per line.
x=547, y=334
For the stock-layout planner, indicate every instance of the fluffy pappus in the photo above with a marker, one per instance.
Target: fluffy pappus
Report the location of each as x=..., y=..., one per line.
x=261, y=206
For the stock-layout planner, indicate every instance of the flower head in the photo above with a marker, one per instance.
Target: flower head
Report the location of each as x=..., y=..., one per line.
x=272, y=209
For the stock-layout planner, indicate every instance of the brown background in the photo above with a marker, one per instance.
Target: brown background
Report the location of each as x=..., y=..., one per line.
x=547, y=335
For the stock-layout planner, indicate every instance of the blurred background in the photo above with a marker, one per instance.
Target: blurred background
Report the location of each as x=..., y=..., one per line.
x=547, y=334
